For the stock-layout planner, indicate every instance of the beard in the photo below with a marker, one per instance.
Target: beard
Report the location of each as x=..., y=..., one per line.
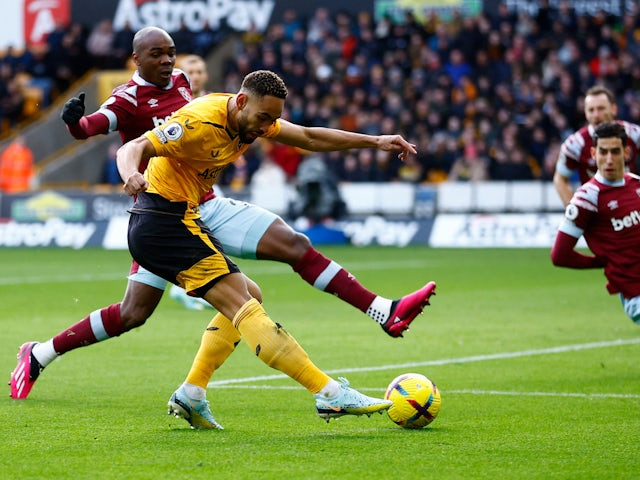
x=244, y=138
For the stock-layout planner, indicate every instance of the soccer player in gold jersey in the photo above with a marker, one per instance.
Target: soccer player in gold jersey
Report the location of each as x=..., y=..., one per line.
x=166, y=236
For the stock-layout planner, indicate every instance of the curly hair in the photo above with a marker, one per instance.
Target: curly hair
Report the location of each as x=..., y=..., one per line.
x=264, y=82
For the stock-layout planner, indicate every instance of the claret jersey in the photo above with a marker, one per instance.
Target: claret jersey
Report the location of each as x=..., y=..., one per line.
x=193, y=147
x=138, y=106
x=608, y=215
x=575, y=152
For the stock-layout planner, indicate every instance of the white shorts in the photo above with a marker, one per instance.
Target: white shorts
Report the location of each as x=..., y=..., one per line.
x=238, y=225
x=631, y=308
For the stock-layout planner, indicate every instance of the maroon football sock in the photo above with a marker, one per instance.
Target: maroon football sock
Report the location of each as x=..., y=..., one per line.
x=326, y=275
x=99, y=325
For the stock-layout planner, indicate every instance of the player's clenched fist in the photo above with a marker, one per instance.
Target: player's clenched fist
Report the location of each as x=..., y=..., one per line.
x=73, y=110
x=135, y=184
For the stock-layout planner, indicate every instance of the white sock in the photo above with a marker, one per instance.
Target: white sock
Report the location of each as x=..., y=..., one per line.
x=330, y=390
x=195, y=392
x=380, y=309
x=44, y=352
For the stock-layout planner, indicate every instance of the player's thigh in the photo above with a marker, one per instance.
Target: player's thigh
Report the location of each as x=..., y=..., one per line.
x=141, y=275
x=180, y=249
x=238, y=226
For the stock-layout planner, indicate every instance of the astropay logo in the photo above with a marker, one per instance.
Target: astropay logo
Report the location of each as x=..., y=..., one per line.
x=240, y=15
x=627, y=221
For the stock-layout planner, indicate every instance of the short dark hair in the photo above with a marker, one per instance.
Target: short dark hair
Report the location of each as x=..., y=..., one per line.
x=609, y=130
x=264, y=82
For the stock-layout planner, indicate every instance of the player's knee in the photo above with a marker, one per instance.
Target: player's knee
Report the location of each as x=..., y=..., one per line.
x=134, y=314
x=254, y=289
x=300, y=245
x=302, y=242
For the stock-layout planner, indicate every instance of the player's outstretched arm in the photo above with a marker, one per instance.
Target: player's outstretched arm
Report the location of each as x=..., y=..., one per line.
x=319, y=139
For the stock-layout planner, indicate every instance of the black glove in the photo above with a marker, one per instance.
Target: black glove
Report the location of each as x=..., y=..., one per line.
x=73, y=110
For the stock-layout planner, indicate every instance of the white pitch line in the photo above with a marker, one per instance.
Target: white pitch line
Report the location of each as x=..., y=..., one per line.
x=632, y=396
x=270, y=269
x=448, y=361
x=76, y=278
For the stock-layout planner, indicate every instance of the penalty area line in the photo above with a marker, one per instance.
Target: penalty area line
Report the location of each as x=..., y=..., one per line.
x=447, y=361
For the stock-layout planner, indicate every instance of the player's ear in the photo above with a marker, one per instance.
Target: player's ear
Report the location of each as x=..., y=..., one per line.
x=241, y=100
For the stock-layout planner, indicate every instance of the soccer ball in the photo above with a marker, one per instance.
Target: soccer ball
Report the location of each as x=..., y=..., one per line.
x=416, y=400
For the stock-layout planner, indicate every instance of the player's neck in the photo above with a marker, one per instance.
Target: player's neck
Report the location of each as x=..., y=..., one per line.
x=232, y=110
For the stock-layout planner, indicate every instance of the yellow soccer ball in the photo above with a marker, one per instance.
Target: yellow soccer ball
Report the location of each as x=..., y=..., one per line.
x=416, y=400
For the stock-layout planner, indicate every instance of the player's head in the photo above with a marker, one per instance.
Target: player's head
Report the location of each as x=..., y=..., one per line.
x=260, y=102
x=610, y=150
x=599, y=105
x=196, y=68
x=154, y=53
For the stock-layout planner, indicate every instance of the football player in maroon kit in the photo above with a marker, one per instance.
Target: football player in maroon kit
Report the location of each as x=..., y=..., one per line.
x=606, y=211
x=575, y=152
x=244, y=230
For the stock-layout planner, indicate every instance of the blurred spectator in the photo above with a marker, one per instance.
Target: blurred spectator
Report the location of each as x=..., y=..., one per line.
x=121, y=47
x=99, y=44
x=11, y=99
x=268, y=175
x=288, y=158
x=17, y=172
x=183, y=38
x=110, y=174
x=207, y=38
x=471, y=166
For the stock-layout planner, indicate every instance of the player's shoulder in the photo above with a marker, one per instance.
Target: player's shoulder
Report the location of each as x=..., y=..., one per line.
x=632, y=130
x=578, y=137
x=214, y=103
x=632, y=177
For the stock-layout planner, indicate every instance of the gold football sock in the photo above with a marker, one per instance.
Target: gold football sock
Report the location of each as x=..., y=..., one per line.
x=275, y=347
x=218, y=341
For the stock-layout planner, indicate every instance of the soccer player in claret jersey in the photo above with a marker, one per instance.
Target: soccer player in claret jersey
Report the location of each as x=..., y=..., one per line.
x=244, y=230
x=575, y=152
x=606, y=211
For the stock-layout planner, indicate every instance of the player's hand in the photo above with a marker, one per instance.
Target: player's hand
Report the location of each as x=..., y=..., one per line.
x=73, y=110
x=396, y=142
x=135, y=184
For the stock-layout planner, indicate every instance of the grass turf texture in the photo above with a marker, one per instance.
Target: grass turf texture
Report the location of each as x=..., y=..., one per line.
x=100, y=412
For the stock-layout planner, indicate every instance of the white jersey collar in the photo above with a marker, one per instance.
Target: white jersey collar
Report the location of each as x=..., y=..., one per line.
x=141, y=81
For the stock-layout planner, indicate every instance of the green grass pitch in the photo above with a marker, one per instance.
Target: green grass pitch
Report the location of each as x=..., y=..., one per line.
x=538, y=369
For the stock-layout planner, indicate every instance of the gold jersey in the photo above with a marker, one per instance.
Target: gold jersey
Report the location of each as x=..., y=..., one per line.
x=193, y=148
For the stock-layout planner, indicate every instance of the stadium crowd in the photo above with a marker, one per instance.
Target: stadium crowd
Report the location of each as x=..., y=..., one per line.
x=483, y=97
